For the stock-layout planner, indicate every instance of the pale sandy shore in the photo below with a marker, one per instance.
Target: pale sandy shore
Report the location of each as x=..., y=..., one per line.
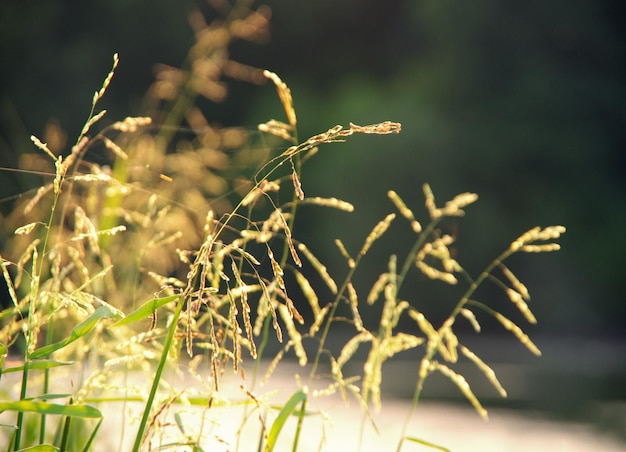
x=331, y=426
x=454, y=427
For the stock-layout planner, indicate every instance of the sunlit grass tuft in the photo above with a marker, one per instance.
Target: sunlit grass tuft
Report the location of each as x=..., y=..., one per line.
x=175, y=259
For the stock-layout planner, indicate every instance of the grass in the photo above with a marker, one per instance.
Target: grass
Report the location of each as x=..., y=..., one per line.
x=177, y=256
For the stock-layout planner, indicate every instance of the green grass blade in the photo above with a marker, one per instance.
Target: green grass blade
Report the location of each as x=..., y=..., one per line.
x=40, y=448
x=422, y=442
x=145, y=310
x=89, y=442
x=286, y=411
x=84, y=327
x=82, y=411
x=50, y=396
x=39, y=364
x=66, y=433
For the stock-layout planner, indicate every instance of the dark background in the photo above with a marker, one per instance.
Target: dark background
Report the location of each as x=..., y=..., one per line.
x=521, y=102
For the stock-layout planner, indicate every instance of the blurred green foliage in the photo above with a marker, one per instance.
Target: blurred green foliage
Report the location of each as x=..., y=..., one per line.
x=521, y=102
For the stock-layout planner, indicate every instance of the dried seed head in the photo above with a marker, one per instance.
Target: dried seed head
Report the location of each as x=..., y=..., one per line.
x=377, y=232
x=278, y=128
x=278, y=271
x=284, y=93
x=382, y=128
x=297, y=185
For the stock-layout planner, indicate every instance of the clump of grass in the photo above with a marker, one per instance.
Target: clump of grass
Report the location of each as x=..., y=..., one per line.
x=175, y=254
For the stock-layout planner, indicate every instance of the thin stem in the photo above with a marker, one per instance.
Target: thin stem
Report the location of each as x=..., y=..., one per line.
x=432, y=347
x=159, y=371
x=301, y=414
x=410, y=258
x=46, y=381
x=474, y=285
x=331, y=315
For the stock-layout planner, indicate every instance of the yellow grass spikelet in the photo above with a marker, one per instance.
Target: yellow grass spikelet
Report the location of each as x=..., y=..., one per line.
x=350, y=348
x=551, y=232
x=317, y=265
x=377, y=232
x=544, y=248
x=317, y=321
x=236, y=331
x=295, y=338
x=330, y=202
x=372, y=373
x=308, y=292
x=424, y=325
x=399, y=343
x=344, y=252
x=521, y=304
x=131, y=124
x=377, y=288
x=26, y=229
x=272, y=366
x=118, y=151
x=94, y=119
x=43, y=146
x=518, y=333
x=9, y=282
x=354, y=307
x=245, y=307
x=469, y=315
x=515, y=283
x=293, y=312
x=433, y=273
x=41, y=192
x=488, y=371
x=430, y=202
x=404, y=211
x=523, y=242
x=450, y=342
x=284, y=94
x=454, y=207
x=98, y=95
x=462, y=384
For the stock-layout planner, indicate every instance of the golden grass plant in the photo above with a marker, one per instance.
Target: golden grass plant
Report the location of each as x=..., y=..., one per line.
x=173, y=255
